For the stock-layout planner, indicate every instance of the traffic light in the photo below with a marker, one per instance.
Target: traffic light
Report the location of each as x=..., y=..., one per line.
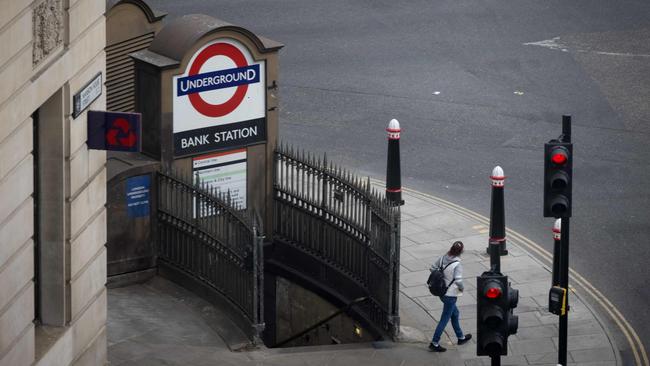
x=558, y=168
x=495, y=320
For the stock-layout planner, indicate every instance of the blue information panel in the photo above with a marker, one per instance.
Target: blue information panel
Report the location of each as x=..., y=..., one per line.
x=137, y=196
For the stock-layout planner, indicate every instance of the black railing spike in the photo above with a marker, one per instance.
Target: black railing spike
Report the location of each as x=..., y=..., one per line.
x=368, y=185
x=325, y=160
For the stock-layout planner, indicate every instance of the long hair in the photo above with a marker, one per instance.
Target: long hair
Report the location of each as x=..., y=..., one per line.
x=456, y=249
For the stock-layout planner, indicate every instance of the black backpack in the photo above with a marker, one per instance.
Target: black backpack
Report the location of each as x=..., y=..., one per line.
x=436, y=282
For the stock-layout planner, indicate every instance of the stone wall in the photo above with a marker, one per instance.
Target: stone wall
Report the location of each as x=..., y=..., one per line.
x=49, y=53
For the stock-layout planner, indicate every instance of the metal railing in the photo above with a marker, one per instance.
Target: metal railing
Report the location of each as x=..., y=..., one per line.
x=202, y=234
x=341, y=220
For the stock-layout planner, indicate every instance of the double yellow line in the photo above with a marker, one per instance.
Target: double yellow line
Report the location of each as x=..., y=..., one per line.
x=640, y=355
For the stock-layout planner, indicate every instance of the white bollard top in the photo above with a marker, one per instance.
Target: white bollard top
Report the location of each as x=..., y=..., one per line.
x=393, y=129
x=498, y=178
x=557, y=229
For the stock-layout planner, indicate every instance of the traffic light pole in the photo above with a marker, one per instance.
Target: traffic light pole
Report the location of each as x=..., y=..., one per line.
x=564, y=283
x=495, y=361
x=557, y=235
x=564, y=263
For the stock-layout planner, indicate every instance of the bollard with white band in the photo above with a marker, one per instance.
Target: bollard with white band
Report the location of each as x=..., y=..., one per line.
x=393, y=170
x=497, y=212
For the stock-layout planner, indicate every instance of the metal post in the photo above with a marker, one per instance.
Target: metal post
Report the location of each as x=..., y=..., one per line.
x=557, y=235
x=564, y=263
x=564, y=283
x=566, y=129
x=495, y=360
x=495, y=257
x=393, y=173
x=497, y=211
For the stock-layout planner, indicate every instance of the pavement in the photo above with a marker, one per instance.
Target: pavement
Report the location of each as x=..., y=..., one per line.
x=159, y=323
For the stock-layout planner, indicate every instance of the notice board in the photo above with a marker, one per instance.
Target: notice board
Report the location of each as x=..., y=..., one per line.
x=225, y=172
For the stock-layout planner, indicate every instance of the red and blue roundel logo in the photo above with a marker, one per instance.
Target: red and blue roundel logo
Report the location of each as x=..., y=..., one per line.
x=238, y=77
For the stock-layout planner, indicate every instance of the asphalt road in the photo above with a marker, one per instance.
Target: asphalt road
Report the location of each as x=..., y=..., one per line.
x=474, y=85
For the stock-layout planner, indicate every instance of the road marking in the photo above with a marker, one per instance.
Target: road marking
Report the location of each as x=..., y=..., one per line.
x=477, y=227
x=483, y=231
x=554, y=44
x=628, y=331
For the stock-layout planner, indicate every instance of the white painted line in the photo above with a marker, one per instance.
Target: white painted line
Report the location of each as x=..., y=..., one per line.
x=555, y=44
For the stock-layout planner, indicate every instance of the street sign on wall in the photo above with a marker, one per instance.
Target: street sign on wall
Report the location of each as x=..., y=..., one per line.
x=84, y=97
x=225, y=172
x=116, y=131
x=219, y=102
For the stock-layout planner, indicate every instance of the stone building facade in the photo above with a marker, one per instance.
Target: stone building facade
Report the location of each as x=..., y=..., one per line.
x=52, y=188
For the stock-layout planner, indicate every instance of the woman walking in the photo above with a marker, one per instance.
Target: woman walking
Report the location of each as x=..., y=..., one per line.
x=453, y=271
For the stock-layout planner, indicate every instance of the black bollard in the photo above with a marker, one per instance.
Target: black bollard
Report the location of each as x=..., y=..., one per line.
x=393, y=171
x=497, y=211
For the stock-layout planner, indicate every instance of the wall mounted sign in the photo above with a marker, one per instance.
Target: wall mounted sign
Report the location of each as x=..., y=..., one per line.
x=115, y=131
x=220, y=100
x=225, y=172
x=137, y=196
x=84, y=97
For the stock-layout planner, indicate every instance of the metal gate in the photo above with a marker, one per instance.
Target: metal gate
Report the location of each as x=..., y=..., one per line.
x=207, y=242
x=343, y=222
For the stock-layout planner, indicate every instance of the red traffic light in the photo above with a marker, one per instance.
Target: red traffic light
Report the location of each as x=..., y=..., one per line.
x=493, y=293
x=493, y=289
x=559, y=156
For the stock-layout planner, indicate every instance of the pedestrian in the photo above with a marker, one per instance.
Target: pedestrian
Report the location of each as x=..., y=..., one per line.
x=453, y=271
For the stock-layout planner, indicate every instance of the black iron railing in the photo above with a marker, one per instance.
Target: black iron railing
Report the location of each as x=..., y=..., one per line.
x=204, y=235
x=341, y=220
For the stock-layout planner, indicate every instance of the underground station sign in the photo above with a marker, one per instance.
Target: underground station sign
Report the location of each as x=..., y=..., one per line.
x=115, y=131
x=220, y=101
